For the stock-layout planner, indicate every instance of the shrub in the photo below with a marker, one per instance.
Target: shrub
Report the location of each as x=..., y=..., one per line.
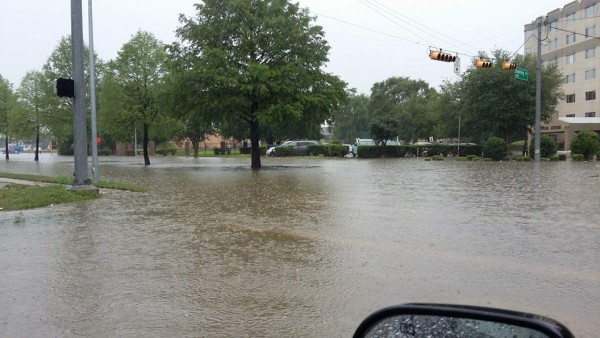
x=562, y=157
x=461, y=158
x=547, y=147
x=487, y=159
x=494, y=148
x=577, y=157
x=438, y=158
x=586, y=142
x=554, y=158
x=471, y=157
x=217, y=151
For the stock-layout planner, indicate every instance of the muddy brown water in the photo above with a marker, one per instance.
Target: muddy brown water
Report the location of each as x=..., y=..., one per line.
x=303, y=248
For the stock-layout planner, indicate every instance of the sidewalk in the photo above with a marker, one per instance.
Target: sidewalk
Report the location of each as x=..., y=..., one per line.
x=6, y=181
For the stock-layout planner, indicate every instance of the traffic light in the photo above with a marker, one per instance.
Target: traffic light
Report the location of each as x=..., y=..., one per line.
x=481, y=63
x=507, y=65
x=441, y=56
x=64, y=87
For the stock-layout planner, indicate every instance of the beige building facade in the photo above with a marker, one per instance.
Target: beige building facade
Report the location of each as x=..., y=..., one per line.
x=571, y=40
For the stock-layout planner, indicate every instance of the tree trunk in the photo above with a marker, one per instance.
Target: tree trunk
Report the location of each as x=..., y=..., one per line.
x=196, y=146
x=145, y=141
x=254, y=139
x=6, y=147
x=37, y=143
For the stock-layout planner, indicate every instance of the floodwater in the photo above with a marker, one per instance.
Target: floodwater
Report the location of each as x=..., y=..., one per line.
x=303, y=248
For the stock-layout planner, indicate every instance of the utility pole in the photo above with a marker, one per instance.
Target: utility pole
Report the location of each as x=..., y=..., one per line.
x=95, y=169
x=538, y=91
x=79, y=120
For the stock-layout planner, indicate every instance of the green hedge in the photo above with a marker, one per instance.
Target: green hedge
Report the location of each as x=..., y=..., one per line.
x=418, y=150
x=328, y=150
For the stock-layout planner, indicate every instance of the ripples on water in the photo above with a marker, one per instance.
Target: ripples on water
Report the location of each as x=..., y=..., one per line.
x=301, y=248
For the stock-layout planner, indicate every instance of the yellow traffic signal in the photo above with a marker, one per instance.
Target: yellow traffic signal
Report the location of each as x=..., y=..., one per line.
x=441, y=56
x=481, y=63
x=506, y=65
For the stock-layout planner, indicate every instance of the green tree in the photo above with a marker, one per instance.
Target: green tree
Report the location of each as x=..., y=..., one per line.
x=407, y=101
x=548, y=147
x=494, y=148
x=131, y=88
x=495, y=103
x=587, y=143
x=58, y=112
x=32, y=96
x=446, y=111
x=7, y=105
x=351, y=120
x=261, y=61
x=384, y=129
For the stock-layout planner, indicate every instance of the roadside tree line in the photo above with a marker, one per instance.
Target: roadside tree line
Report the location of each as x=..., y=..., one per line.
x=254, y=70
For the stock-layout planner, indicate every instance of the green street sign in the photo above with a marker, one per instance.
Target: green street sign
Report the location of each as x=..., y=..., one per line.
x=521, y=74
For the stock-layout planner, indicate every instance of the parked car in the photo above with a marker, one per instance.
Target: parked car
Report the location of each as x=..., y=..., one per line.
x=291, y=148
x=13, y=149
x=361, y=142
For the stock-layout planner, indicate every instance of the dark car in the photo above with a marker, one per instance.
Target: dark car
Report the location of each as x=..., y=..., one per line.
x=291, y=148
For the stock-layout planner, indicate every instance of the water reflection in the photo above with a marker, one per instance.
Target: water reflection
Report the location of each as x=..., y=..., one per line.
x=307, y=247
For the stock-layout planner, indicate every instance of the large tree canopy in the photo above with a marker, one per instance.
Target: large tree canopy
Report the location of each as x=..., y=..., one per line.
x=495, y=103
x=131, y=88
x=261, y=61
x=404, y=103
x=7, y=105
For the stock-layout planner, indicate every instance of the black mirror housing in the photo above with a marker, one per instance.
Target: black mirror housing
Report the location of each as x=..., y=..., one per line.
x=459, y=321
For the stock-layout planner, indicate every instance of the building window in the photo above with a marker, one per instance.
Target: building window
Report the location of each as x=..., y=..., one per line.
x=570, y=78
x=570, y=115
x=553, y=44
x=590, y=114
x=570, y=98
x=553, y=25
x=590, y=53
x=591, y=95
x=590, y=32
x=571, y=38
x=590, y=74
x=570, y=18
x=590, y=11
x=570, y=59
x=552, y=63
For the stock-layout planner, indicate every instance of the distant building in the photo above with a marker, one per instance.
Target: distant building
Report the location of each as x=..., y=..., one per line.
x=572, y=42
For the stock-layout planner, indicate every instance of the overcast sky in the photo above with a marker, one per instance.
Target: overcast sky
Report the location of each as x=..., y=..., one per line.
x=370, y=40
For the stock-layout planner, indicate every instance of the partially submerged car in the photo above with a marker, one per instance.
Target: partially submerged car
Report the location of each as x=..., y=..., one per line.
x=361, y=142
x=291, y=148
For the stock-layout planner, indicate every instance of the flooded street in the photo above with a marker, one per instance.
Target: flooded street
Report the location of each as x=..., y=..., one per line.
x=303, y=248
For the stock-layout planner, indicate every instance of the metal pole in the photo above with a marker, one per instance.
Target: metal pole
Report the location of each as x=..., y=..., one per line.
x=95, y=169
x=79, y=118
x=538, y=91
x=458, y=154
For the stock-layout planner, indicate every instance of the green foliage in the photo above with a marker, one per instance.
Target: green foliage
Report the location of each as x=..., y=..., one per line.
x=494, y=148
x=328, y=150
x=437, y=158
x=131, y=89
x=494, y=103
x=587, y=143
x=262, y=62
x=351, y=120
x=461, y=158
x=471, y=157
x=406, y=101
x=548, y=147
x=562, y=157
x=577, y=157
x=385, y=128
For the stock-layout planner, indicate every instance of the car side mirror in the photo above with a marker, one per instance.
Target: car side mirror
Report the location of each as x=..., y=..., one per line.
x=457, y=321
